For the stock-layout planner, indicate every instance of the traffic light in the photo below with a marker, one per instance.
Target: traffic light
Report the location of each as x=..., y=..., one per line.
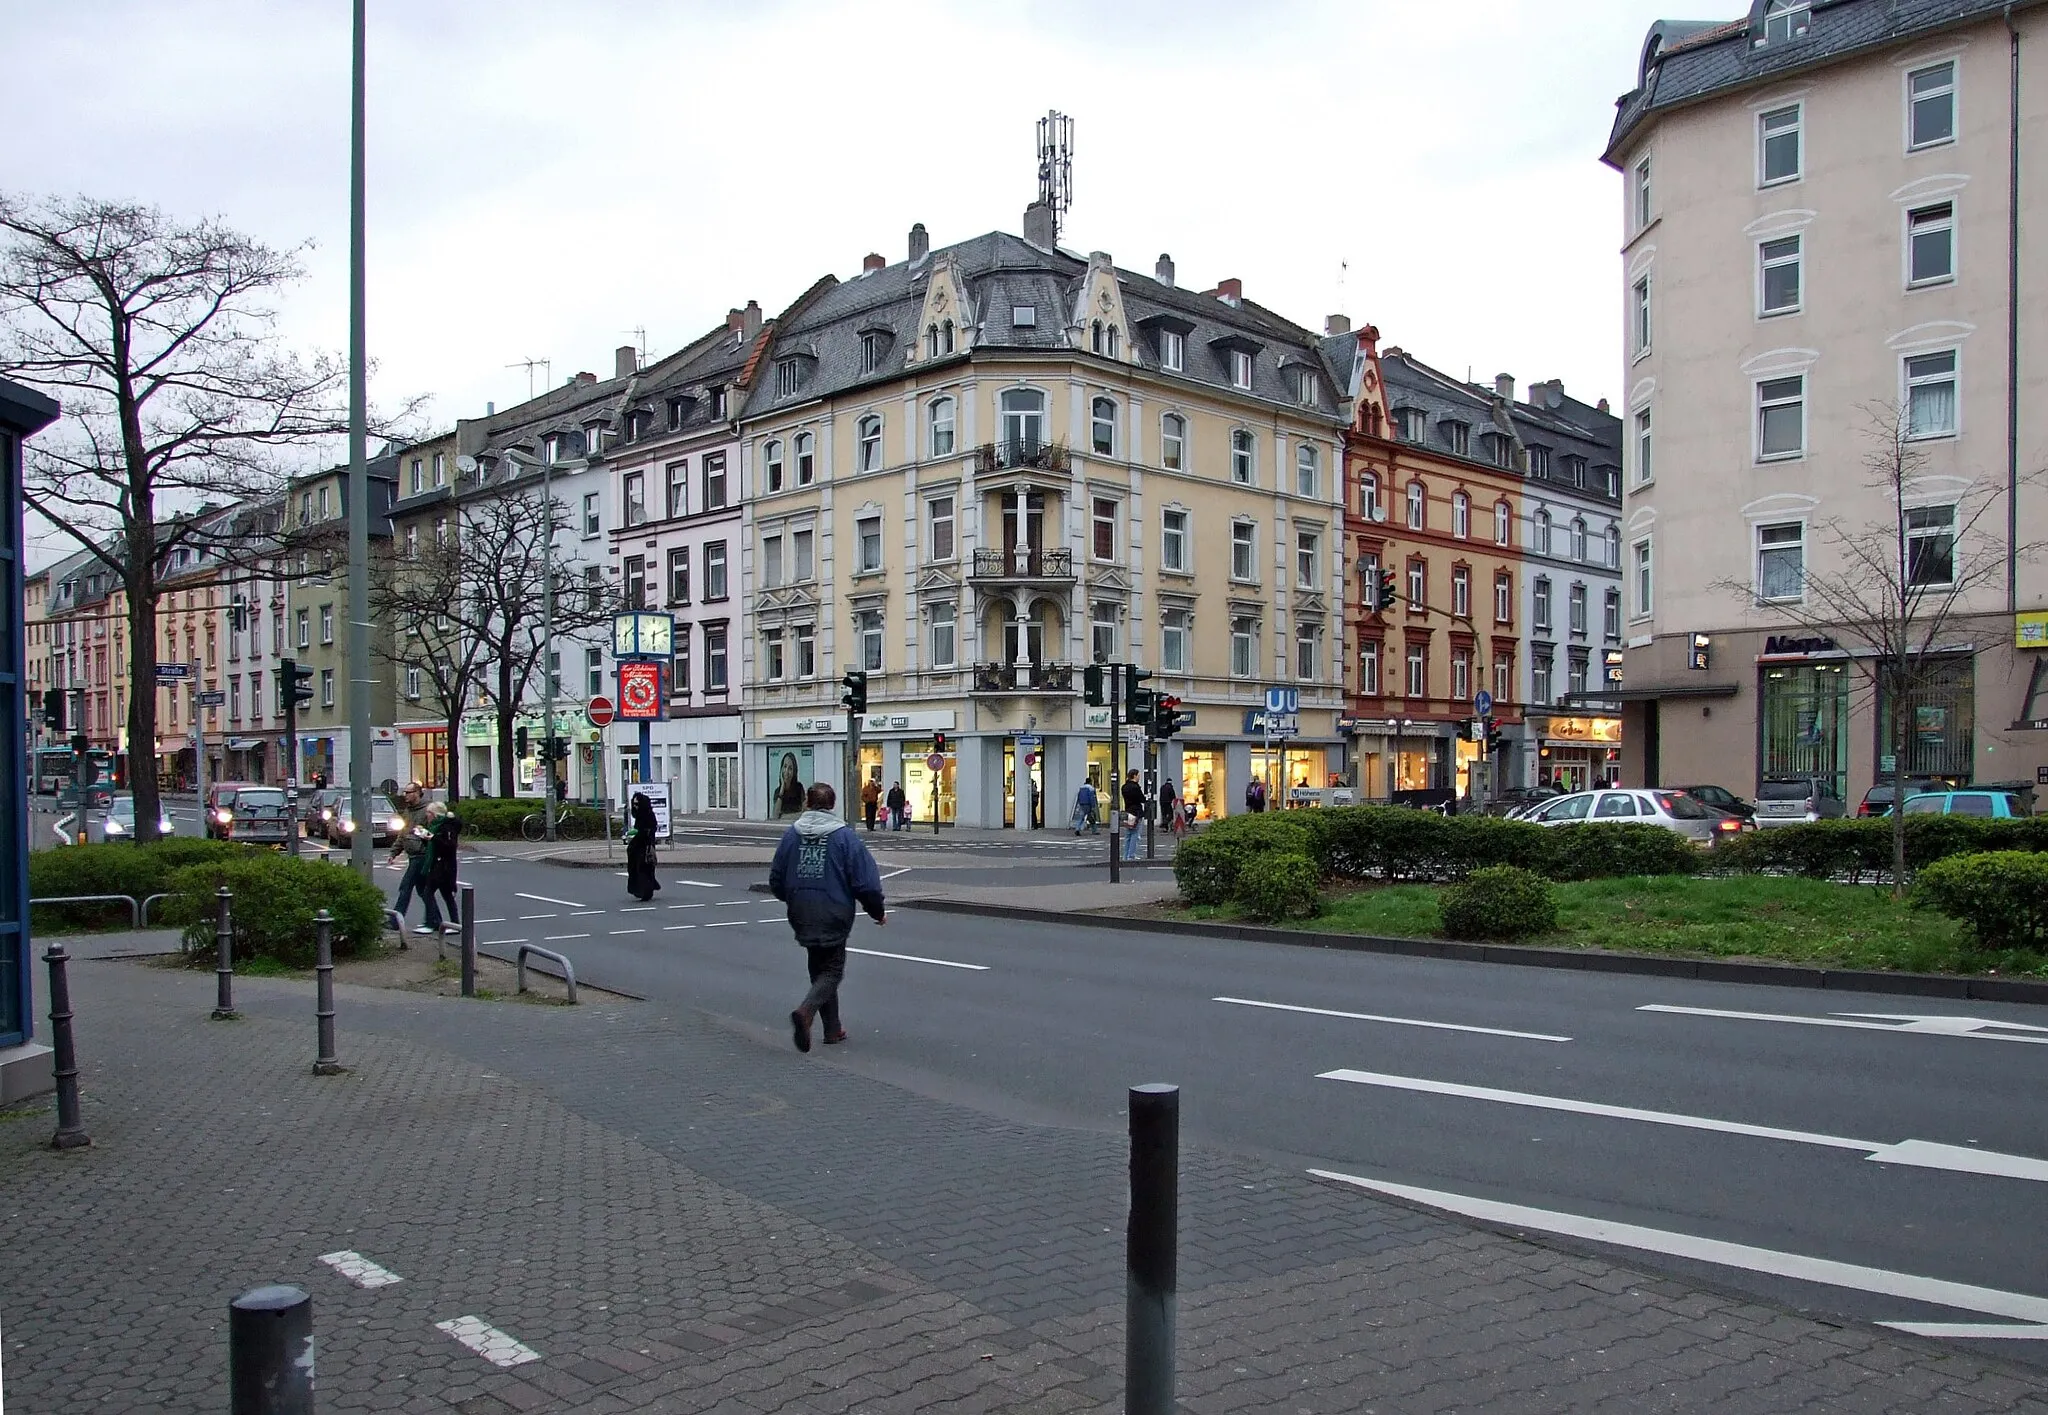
x=1092, y=686
x=519, y=742
x=238, y=615
x=294, y=686
x=1165, y=716
x=80, y=744
x=561, y=748
x=1383, y=592
x=1137, y=700
x=939, y=743
x=856, y=695
x=1493, y=736
x=53, y=709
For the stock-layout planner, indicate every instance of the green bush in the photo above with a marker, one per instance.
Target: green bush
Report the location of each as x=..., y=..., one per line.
x=2002, y=895
x=1863, y=848
x=119, y=868
x=1206, y=866
x=500, y=817
x=1276, y=885
x=1503, y=902
x=275, y=898
x=1618, y=850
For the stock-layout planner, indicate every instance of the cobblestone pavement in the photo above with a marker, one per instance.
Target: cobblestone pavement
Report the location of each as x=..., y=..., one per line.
x=676, y=1214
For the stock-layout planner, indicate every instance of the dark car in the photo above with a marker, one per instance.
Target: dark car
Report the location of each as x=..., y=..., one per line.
x=1517, y=800
x=320, y=809
x=1877, y=801
x=1721, y=799
x=256, y=815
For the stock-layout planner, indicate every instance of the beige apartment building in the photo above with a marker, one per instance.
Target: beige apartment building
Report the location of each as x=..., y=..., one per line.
x=973, y=472
x=1825, y=236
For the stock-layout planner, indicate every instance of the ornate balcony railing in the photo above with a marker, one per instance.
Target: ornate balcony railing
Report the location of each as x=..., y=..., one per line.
x=1023, y=563
x=1020, y=452
x=1024, y=677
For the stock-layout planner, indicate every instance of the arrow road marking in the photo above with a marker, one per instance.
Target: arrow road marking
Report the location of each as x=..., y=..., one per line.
x=1923, y=1025
x=1922, y=1154
x=2018, y=1306
x=565, y=903
x=1396, y=1021
x=913, y=958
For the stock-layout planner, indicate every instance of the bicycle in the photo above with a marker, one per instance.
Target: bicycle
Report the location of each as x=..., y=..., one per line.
x=570, y=824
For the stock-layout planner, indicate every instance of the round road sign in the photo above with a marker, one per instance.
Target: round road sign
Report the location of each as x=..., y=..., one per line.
x=935, y=762
x=599, y=712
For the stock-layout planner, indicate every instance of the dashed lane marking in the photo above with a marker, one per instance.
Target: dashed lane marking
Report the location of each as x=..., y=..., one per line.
x=700, y=883
x=488, y=1342
x=560, y=938
x=545, y=899
x=734, y=904
x=913, y=958
x=618, y=933
x=528, y=918
x=671, y=928
x=360, y=1270
x=728, y=924
x=639, y=909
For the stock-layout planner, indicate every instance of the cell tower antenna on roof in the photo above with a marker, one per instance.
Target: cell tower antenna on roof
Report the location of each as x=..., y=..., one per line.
x=1056, y=167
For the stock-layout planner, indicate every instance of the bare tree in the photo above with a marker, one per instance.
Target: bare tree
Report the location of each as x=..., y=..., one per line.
x=420, y=601
x=157, y=336
x=1897, y=590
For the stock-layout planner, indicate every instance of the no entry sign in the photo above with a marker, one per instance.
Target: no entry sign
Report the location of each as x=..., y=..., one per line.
x=599, y=712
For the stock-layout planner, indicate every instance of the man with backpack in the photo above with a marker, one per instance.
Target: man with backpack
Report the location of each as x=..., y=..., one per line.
x=822, y=869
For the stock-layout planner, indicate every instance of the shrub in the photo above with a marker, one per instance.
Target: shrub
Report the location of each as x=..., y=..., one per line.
x=2002, y=895
x=120, y=868
x=275, y=898
x=500, y=817
x=1604, y=850
x=1502, y=902
x=1278, y=884
x=1206, y=867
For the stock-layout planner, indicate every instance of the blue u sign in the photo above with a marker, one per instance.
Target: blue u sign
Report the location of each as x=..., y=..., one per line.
x=1279, y=700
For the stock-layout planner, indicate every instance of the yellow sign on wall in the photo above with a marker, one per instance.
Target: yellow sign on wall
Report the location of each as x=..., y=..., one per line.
x=2030, y=629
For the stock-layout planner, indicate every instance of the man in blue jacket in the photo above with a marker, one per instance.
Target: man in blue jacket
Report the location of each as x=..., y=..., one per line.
x=821, y=871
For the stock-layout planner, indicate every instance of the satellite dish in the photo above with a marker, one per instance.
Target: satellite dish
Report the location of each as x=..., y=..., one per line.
x=465, y=463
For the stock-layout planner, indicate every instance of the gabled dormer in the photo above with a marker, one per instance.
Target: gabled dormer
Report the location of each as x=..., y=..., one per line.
x=1098, y=324
x=945, y=323
x=1370, y=416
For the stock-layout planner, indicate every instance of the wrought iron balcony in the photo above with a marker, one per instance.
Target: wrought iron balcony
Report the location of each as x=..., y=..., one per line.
x=1023, y=563
x=1020, y=452
x=1024, y=677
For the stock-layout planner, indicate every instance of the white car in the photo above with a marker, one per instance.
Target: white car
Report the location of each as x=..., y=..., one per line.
x=1674, y=810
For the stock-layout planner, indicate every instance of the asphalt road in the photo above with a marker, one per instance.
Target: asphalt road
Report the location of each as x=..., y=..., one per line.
x=1761, y=1152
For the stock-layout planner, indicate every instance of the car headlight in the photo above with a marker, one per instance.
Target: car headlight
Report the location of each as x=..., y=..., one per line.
x=348, y=827
x=325, y=814
x=397, y=823
x=224, y=816
x=163, y=827
x=113, y=827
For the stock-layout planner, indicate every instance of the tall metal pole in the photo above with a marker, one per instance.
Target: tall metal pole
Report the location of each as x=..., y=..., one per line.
x=1115, y=804
x=361, y=842
x=198, y=747
x=549, y=651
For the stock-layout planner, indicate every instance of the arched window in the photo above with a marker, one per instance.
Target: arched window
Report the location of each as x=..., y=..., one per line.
x=1112, y=341
x=1503, y=523
x=1102, y=427
x=1244, y=467
x=1095, y=336
x=1307, y=469
x=1173, y=442
x=1461, y=515
x=1614, y=547
x=1369, y=497
x=1578, y=539
x=1418, y=506
x=941, y=417
x=771, y=463
x=1541, y=538
x=806, y=458
x=868, y=444
x=1023, y=420
x=931, y=341
x=946, y=337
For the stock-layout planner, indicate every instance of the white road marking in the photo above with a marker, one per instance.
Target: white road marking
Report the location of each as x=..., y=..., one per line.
x=1397, y=1021
x=619, y=933
x=565, y=903
x=525, y=918
x=360, y=1270
x=639, y=909
x=558, y=938
x=728, y=924
x=913, y=958
x=1949, y=1026
x=671, y=928
x=1939, y=1292
x=1918, y=1026
x=490, y=921
x=1922, y=1154
x=778, y=919
x=699, y=883
x=488, y=1342
x=1974, y=1331
x=891, y=874
x=495, y=942
x=734, y=904
x=689, y=906
x=584, y=913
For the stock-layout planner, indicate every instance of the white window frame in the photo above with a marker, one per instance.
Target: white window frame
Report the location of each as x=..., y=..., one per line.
x=1308, y=557
x=1240, y=369
x=1173, y=642
x=771, y=561
x=1929, y=378
x=804, y=639
x=1461, y=592
x=806, y=450
x=1173, y=350
x=1612, y=555
x=1539, y=533
x=867, y=536
x=1578, y=538
x=868, y=636
x=1417, y=503
x=1461, y=515
x=1771, y=539
x=1610, y=616
x=1642, y=192
x=1645, y=444
x=1176, y=528
x=1765, y=132
x=867, y=437
x=1369, y=668
x=1105, y=632
x=1914, y=534
x=944, y=621
x=1949, y=90
x=1935, y=216
x=1503, y=523
x=771, y=461
x=1639, y=317
x=1503, y=597
x=1418, y=671
x=1643, y=567
x=1098, y=521
x=1764, y=405
x=1767, y=262
x=1308, y=652
x=1796, y=15
x=1102, y=426
x=939, y=427
x=1308, y=470
x=1539, y=596
x=412, y=684
x=1244, y=646
x=633, y=492
x=773, y=664
x=1244, y=457
x=1244, y=548
x=941, y=511
x=678, y=489
x=1173, y=442
x=1369, y=503
x=1575, y=611
x=1461, y=674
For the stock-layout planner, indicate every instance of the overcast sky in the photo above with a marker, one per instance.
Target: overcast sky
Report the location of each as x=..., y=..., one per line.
x=547, y=179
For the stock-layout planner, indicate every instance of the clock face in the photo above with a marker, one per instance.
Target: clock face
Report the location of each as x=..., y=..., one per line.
x=655, y=630
x=622, y=636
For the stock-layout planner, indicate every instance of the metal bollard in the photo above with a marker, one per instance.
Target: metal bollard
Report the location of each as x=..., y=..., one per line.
x=469, y=940
x=70, y=1130
x=1150, y=1248
x=224, y=963
x=270, y=1352
x=326, y=1063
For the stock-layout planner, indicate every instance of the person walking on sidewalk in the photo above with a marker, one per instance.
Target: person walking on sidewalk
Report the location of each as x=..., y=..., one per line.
x=444, y=830
x=898, y=804
x=1169, y=808
x=822, y=870
x=1134, y=813
x=1084, y=808
x=414, y=845
x=871, y=802
x=640, y=880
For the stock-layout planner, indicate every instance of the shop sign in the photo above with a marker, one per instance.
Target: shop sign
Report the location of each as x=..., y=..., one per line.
x=1096, y=719
x=1798, y=644
x=1580, y=729
x=1259, y=722
x=640, y=695
x=2030, y=629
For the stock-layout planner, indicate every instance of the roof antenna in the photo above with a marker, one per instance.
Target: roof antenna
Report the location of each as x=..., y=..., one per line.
x=640, y=333
x=1056, y=167
x=530, y=365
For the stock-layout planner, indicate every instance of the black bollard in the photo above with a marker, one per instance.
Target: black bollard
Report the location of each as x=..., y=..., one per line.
x=469, y=940
x=326, y=1063
x=270, y=1352
x=224, y=961
x=70, y=1130
x=1150, y=1249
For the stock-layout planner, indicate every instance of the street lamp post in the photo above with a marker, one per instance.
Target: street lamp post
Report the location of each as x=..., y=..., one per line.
x=549, y=652
x=361, y=842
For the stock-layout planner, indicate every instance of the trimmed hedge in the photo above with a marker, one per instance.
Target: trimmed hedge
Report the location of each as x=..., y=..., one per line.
x=118, y=868
x=2002, y=895
x=1278, y=884
x=1206, y=866
x=1859, y=848
x=275, y=898
x=1500, y=902
x=499, y=817
x=1615, y=850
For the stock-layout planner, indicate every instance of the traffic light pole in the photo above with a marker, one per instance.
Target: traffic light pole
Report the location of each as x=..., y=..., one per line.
x=549, y=654
x=1115, y=803
x=291, y=779
x=849, y=800
x=199, y=747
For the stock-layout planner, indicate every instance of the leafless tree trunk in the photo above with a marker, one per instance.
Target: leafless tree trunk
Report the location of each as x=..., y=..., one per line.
x=419, y=599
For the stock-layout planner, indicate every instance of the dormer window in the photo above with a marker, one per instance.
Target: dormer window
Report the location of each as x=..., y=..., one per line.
x=593, y=439
x=873, y=345
x=1539, y=461
x=550, y=448
x=946, y=337
x=1173, y=350
x=789, y=376
x=931, y=341
x=1457, y=436
x=1240, y=369
x=1306, y=387
x=1501, y=448
x=718, y=401
x=1413, y=423
x=637, y=425
x=1786, y=19
x=1023, y=316
x=678, y=409
x=1575, y=471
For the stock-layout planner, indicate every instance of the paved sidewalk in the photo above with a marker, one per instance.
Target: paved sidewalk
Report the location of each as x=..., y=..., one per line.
x=672, y=1214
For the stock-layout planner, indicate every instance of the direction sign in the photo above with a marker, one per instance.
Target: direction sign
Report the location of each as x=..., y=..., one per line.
x=599, y=712
x=212, y=697
x=1026, y=740
x=173, y=672
x=1482, y=702
x=1283, y=700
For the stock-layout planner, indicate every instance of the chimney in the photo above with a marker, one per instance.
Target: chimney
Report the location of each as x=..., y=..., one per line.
x=1334, y=324
x=873, y=263
x=750, y=318
x=735, y=321
x=1038, y=227
x=584, y=378
x=920, y=243
x=1602, y=405
x=1504, y=387
x=1230, y=291
x=1163, y=272
x=625, y=361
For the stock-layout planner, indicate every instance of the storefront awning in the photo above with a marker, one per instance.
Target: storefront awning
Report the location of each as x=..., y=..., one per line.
x=1650, y=692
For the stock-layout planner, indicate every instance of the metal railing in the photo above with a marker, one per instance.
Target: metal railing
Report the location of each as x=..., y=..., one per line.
x=138, y=909
x=1020, y=452
x=1023, y=563
x=568, y=969
x=1025, y=677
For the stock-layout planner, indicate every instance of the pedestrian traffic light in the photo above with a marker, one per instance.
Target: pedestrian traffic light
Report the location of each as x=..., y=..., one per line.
x=1091, y=685
x=519, y=742
x=1137, y=700
x=1493, y=735
x=1384, y=597
x=939, y=743
x=294, y=686
x=53, y=709
x=856, y=695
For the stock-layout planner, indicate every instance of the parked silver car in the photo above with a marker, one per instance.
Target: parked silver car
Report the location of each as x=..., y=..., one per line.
x=1674, y=810
x=1795, y=802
